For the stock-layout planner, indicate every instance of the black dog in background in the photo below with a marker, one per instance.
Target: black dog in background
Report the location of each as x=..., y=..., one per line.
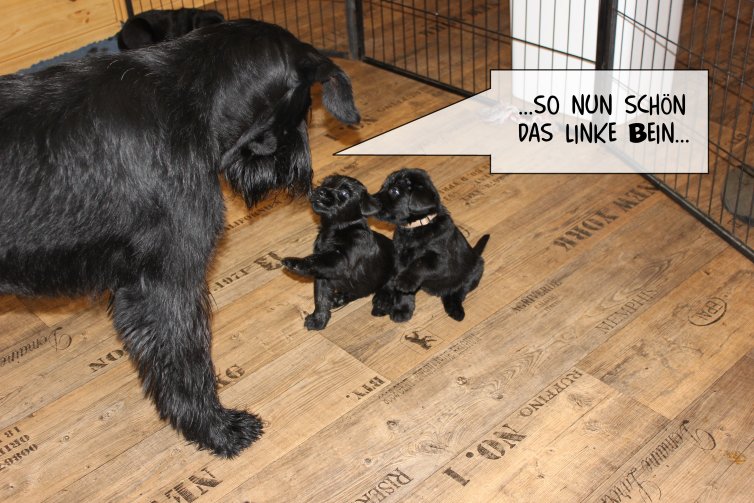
x=431, y=253
x=350, y=260
x=109, y=180
x=155, y=26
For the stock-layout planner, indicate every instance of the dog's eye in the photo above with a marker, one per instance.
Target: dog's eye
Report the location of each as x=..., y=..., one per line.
x=343, y=193
x=394, y=191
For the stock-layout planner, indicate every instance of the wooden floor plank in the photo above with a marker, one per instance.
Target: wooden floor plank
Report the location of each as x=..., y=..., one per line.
x=371, y=407
x=585, y=427
x=502, y=359
x=684, y=333
x=699, y=453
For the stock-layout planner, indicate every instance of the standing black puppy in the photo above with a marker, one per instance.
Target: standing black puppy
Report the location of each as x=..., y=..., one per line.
x=350, y=260
x=430, y=252
x=155, y=26
x=109, y=180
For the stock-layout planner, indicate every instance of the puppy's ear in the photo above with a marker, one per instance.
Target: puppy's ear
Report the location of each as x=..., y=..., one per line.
x=369, y=205
x=422, y=202
x=337, y=94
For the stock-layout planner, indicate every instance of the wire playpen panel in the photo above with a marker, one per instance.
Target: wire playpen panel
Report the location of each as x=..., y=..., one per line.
x=454, y=45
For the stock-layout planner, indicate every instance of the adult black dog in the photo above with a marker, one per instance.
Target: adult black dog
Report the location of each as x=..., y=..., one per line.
x=109, y=180
x=155, y=26
x=431, y=253
x=350, y=260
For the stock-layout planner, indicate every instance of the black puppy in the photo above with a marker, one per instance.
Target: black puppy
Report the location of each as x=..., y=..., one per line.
x=430, y=252
x=155, y=26
x=109, y=180
x=350, y=260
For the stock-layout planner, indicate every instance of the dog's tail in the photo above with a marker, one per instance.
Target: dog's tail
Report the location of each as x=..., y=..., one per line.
x=479, y=246
x=337, y=94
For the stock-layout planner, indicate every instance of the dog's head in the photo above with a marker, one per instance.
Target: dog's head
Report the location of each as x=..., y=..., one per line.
x=155, y=26
x=263, y=102
x=342, y=199
x=408, y=195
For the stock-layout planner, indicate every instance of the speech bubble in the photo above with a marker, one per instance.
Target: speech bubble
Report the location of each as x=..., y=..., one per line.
x=568, y=121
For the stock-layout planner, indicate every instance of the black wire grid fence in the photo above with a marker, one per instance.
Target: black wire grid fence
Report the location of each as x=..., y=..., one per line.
x=453, y=45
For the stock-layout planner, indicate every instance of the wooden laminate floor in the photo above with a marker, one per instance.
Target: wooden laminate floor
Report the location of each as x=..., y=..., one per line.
x=607, y=356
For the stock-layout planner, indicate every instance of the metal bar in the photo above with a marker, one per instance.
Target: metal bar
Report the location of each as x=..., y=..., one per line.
x=355, y=25
x=424, y=80
x=607, y=19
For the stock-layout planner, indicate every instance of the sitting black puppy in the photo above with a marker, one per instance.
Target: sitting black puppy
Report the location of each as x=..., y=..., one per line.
x=155, y=26
x=430, y=252
x=350, y=260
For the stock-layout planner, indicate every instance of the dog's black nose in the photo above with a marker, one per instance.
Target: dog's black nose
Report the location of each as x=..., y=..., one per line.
x=321, y=197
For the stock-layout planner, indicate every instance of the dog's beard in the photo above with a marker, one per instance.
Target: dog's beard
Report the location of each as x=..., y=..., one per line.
x=289, y=169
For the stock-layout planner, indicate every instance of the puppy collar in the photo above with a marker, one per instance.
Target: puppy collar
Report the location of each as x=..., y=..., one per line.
x=420, y=222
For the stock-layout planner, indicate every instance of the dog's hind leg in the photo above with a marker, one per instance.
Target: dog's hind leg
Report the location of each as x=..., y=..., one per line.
x=453, y=304
x=165, y=328
x=340, y=299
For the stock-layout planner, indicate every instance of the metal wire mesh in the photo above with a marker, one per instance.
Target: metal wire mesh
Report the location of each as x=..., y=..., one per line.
x=716, y=36
x=455, y=44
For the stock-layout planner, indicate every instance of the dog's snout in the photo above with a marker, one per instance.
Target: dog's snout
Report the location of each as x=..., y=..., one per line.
x=322, y=196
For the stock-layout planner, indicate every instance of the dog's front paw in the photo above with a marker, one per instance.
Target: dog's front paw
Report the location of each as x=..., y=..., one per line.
x=382, y=303
x=233, y=431
x=406, y=283
x=399, y=314
x=295, y=264
x=317, y=320
x=380, y=310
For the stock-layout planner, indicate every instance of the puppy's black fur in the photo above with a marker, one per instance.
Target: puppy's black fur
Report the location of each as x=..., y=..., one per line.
x=109, y=180
x=430, y=252
x=350, y=260
x=155, y=26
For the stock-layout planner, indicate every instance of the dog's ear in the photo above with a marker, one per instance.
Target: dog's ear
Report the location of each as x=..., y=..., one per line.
x=257, y=139
x=263, y=144
x=422, y=202
x=369, y=205
x=206, y=18
x=135, y=34
x=337, y=94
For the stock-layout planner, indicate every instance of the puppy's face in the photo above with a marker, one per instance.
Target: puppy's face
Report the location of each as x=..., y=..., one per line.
x=407, y=195
x=342, y=199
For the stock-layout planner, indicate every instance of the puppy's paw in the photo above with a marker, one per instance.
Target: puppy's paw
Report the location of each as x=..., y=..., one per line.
x=382, y=303
x=295, y=264
x=401, y=313
x=233, y=431
x=454, y=307
x=379, y=310
x=406, y=283
x=457, y=313
x=317, y=320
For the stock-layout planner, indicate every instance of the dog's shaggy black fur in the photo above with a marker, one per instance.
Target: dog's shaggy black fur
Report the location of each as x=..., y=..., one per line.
x=431, y=253
x=350, y=260
x=155, y=26
x=109, y=180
